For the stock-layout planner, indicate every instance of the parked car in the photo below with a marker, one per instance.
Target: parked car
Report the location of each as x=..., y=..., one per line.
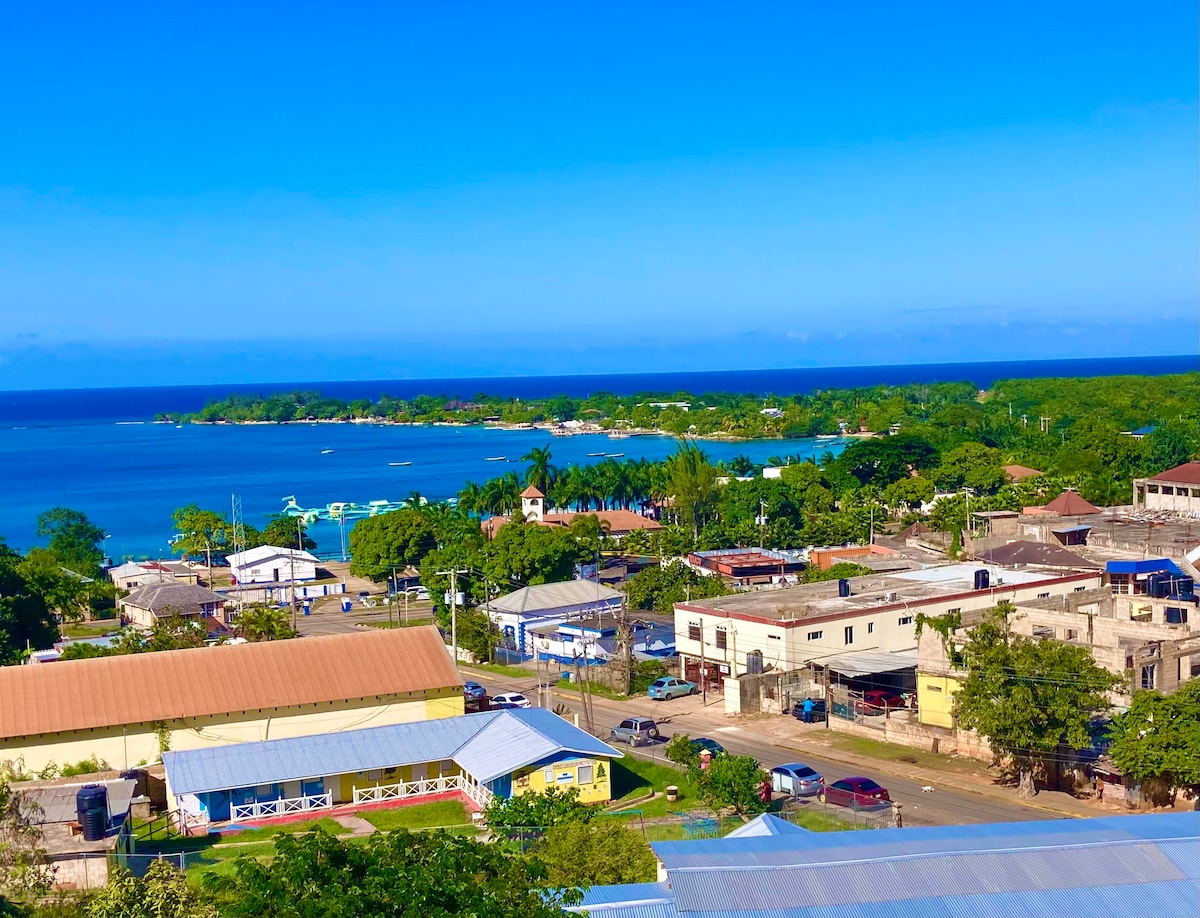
x=669, y=687
x=473, y=690
x=816, y=716
x=636, y=731
x=511, y=700
x=878, y=702
x=420, y=594
x=854, y=792
x=796, y=779
x=704, y=744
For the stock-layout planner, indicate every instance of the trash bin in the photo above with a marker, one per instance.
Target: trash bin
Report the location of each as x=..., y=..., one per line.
x=347, y=605
x=672, y=793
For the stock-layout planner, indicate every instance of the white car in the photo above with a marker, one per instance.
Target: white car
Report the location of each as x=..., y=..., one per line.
x=511, y=700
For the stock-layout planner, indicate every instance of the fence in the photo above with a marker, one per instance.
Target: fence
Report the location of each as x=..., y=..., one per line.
x=799, y=810
x=382, y=792
x=263, y=809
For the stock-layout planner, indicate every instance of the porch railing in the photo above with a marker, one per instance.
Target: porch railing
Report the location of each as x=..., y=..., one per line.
x=423, y=788
x=282, y=807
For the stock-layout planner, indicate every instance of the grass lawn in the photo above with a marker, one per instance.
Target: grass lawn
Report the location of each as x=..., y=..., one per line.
x=896, y=753
x=600, y=690
x=222, y=859
x=633, y=777
x=232, y=840
x=419, y=816
x=411, y=623
x=90, y=629
x=495, y=669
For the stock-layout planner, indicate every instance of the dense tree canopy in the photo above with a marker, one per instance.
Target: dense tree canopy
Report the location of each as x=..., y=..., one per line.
x=382, y=543
x=26, y=621
x=658, y=588
x=1157, y=741
x=602, y=852
x=75, y=540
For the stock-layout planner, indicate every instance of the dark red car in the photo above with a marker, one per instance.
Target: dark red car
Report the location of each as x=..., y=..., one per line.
x=878, y=702
x=854, y=792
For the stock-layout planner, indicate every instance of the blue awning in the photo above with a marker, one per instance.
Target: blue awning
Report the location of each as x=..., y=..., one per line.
x=1072, y=529
x=1149, y=566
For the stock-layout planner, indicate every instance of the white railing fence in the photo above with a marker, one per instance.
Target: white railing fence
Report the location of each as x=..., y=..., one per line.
x=282, y=807
x=383, y=792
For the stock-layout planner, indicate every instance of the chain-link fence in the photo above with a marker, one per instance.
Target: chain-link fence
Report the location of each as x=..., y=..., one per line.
x=811, y=812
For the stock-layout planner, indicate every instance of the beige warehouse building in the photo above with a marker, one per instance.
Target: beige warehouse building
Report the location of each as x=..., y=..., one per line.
x=129, y=709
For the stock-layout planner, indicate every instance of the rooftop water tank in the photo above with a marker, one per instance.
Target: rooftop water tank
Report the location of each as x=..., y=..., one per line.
x=91, y=811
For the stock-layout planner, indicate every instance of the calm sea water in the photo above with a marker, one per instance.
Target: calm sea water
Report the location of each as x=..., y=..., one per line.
x=70, y=447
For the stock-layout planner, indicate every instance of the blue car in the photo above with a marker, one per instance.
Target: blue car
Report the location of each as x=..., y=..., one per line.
x=474, y=690
x=669, y=687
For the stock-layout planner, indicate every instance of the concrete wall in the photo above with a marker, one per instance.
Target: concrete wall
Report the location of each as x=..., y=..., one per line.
x=917, y=736
x=125, y=747
x=80, y=872
x=535, y=779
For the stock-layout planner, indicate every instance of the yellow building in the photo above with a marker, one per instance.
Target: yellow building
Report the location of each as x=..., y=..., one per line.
x=128, y=710
x=474, y=757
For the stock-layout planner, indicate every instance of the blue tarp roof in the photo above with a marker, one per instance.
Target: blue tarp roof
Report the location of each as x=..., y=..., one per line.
x=1124, y=865
x=1150, y=566
x=486, y=746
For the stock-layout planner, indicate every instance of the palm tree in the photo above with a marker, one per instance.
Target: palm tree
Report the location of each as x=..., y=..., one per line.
x=415, y=500
x=541, y=473
x=264, y=623
x=470, y=498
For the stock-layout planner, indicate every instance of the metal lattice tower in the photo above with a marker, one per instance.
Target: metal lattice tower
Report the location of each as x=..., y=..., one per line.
x=238, y=536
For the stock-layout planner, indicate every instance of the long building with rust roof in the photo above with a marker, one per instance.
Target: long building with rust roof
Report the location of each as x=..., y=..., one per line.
x=130, y=709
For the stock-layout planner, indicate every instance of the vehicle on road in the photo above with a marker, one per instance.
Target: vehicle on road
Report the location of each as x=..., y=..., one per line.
x=814, y=716
x=878, y=702
x=669, y=687
x=796, y=779
x=856, y=792
x=704, y=744
x=473, y=690
x=511, y=700
x=636, y=731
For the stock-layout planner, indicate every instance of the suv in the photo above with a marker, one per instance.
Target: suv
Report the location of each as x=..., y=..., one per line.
x=878, y=702
x=635, y=731
x=669, y=687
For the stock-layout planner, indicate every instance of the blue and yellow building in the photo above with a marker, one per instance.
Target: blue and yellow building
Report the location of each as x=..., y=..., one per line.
x=475, y=756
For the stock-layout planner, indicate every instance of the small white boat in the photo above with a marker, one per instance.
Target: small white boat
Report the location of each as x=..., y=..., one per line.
x=496, y=459
x=395, y=464
x=616, y=455
x=827, y=436
x=820, y=445
x=326, y=452
x=597, y=454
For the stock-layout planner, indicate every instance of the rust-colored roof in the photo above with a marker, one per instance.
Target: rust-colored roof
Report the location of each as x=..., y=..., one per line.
x=1019, y=472
x=619, y=521
x=531, y=491
x=1070, y=504
x=173, y=684
x=1188, y=473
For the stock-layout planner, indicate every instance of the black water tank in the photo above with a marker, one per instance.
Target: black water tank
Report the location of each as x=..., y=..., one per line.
x=843, y=587
x=91, y=810
x=982, y=579
x=1158, y=586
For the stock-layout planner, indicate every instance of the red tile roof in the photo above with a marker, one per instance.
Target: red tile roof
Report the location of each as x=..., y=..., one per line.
x=1068, y=503
x=169, y=685
x=1018, y=472
x=531, y=491
x=1188, y=473
x=619, y=521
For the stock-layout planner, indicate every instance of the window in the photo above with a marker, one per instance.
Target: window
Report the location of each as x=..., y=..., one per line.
x=693, y=631
x=955, y=609
x=905, y=620
x=933, y=688
x=870, y=627
x=1152, y=489
x=548, y=775
x=815, y=635
x=585, y=775
x=1195, y=492
x=1043, y=595
x=849, y=634
x=722, y=637
x=1080, y=589
x=773, y=637
x=1148, y=676
x=1072, y=634
x=375, y=774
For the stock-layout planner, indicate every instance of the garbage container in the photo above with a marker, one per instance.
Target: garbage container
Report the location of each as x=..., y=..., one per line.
x=672, y=793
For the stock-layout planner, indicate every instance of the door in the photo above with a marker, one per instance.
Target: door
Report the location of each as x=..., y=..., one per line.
x=275, y=575
x=419, y=772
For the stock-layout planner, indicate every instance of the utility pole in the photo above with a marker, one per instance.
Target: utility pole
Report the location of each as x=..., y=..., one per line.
x=453, y=609
x=703, y=666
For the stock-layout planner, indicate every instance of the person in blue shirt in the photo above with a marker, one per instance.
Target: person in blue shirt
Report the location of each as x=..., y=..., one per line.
x=808, y=709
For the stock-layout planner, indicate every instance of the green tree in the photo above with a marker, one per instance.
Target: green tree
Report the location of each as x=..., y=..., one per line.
x=1172, y=445
x=392, y=540
x=25, y=619
x=681, y=751
x=908, y=493
x=282, y=532
x=1028, y=696
x=163, y=892
x=554, y=806
x=693, y=483
x=65, y=592
x=540, y=473
x=734, y=780
x=74, y=539
x=24, y=870
x=1157, y=741
x=599, y=853
x=843, y=570
x=264, y=623
x=388, y=875
x=201, y=532
x=658, y=588
x=526, y=554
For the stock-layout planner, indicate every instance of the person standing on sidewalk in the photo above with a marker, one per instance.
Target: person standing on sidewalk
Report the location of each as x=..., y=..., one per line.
x=808, y=711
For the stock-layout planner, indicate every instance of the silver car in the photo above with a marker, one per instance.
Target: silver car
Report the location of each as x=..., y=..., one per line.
x=636, y=731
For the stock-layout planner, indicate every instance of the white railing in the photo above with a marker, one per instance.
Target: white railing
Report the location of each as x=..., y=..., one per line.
x=282, y=807
x=423, y=788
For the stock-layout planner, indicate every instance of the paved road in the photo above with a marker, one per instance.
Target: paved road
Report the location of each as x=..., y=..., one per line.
x=327, y=619
x=944, y=806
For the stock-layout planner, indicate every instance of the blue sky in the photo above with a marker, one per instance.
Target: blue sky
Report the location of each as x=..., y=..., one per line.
x=196, y=193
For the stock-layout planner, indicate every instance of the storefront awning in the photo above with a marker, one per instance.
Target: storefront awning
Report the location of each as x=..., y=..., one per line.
x=870, y=662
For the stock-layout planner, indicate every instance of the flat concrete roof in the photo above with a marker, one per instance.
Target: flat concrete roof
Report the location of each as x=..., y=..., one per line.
x=820, y=600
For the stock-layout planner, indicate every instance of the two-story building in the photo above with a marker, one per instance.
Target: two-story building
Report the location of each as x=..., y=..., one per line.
x=270, y=564
x=1176, y=490
x=788, y=629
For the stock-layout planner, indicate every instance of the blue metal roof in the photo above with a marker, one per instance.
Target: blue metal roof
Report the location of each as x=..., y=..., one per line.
x=1126, y=865
x=766, y=824
x=486, y=745
x=1150, y=566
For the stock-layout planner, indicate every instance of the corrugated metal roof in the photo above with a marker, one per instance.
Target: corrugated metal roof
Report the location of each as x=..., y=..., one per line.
x=547, y=596
x=766, y=824
x=486, y=745
x=1149, y=566
x=865, y=662
x=147, y=687
x=56, y=802
x=626, y=892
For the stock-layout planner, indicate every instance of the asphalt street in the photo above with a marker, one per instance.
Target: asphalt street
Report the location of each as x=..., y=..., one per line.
x=943, y=806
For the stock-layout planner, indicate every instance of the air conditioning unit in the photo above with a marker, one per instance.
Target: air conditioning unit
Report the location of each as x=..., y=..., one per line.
x=891, y=596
